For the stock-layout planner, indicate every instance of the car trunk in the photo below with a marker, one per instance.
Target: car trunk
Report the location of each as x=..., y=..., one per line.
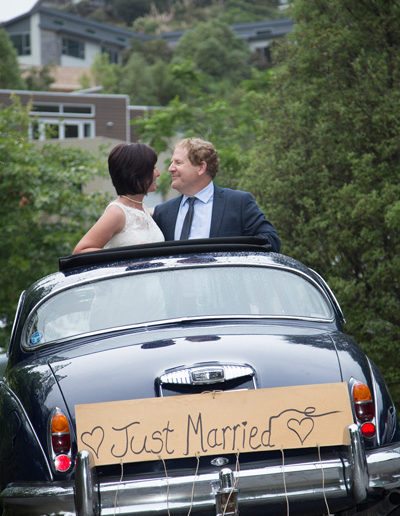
x=132, y=369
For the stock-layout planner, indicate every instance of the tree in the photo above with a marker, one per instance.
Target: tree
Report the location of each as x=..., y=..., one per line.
x=146, y=78
x=128, y=10
x=107, y=74
x=42, y=207
x=147, y=83
x=229, y=121
x=10, y=76
x=326, y=165
x=215, y=51
x=39, y=78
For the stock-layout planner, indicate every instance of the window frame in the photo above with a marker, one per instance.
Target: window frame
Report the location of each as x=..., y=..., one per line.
x=61, y=123
x=24, y=48
x=148, y=324
x=67, y=47
x=61, y=110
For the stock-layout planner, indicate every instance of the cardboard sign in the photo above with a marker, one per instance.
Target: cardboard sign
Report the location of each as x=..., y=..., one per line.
x=213, y=423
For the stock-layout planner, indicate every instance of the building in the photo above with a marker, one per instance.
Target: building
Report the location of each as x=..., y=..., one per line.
x=68, y=116
x=69, y=43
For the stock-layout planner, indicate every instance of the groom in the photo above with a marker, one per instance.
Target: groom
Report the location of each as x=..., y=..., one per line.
x=204, y=209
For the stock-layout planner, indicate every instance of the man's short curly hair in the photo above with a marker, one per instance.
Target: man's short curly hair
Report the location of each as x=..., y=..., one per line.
x=201, y=150
x=131, y=167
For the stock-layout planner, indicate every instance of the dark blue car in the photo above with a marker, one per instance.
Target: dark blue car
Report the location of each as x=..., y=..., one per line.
x=200, y=377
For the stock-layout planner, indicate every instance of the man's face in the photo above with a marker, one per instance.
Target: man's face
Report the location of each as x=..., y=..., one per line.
x=188, y=179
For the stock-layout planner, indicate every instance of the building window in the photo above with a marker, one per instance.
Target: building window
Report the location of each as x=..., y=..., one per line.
x=68, y=110
x=52, y=131
x=45, y=108
x=87, y=130
x=77, y=110
x=47, y=129
x=73, y=47
x=22, y=43
x=113, y=55
x=71, y=130
x=61, y=121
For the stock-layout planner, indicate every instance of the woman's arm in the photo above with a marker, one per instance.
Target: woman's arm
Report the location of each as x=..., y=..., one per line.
x=111, y=222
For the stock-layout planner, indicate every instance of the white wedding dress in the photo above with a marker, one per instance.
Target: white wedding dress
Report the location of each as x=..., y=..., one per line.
x=139, y=228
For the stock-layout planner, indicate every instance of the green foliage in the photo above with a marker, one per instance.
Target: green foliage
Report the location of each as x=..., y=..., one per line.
x=167, y=15
x=9, y=69
x=145, y=83
x=326, y=164
x=145, y=25
x=42, y=207
x=153, y=50
x=39, y=78
x=208, y=59
x=229, y=122
x=128, y=10
x=107, y=74
x=164, y=184
x=242, y=11
x=215, y=51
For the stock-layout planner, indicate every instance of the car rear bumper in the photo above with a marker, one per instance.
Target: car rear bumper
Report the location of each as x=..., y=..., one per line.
x=337, y=483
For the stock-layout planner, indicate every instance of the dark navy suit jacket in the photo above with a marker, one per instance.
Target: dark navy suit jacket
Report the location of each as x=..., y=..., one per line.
x=234, y=213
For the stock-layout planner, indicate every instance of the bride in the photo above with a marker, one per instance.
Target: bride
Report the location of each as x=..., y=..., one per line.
x=126, y=220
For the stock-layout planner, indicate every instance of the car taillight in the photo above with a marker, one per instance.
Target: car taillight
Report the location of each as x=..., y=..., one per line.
x=60, y=441
x=364, y=409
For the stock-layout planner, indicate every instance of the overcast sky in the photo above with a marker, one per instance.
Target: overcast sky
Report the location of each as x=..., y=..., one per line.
x=12, y=8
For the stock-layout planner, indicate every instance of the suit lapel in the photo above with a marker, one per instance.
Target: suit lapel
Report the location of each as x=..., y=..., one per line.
x=170, y=219
x=217, y=211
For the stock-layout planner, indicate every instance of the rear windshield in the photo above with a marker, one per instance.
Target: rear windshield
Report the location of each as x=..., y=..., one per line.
x=173, y=294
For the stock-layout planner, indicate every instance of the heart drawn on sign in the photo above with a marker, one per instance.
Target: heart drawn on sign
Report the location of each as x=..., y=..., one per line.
x=301, y=427
x=93, y=439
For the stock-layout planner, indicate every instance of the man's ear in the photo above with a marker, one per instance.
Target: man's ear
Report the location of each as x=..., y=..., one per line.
x=202, y=168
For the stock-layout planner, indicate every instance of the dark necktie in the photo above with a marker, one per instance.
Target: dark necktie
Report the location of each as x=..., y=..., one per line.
x=187, y=223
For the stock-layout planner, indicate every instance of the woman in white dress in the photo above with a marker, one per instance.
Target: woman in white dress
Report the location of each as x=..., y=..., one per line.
x=126, y=220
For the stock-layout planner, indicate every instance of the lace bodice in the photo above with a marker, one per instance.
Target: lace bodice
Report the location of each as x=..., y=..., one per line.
x=139, y=228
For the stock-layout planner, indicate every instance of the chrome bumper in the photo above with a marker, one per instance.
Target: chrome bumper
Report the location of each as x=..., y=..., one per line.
x=342, y=482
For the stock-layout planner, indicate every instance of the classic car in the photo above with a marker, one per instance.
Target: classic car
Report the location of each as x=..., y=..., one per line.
x=197, y=377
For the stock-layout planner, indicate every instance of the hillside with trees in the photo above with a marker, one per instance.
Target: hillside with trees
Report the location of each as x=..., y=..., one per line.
x=158, y=16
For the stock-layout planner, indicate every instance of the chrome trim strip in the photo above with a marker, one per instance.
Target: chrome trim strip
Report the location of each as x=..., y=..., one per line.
x=384, y=467
x=377, y=399
x=167, y=322
x=328, y=288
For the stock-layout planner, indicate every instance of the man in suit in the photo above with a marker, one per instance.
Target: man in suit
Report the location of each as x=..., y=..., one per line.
x=213, y=211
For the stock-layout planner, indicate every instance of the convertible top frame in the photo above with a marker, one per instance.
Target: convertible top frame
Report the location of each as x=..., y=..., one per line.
x=172, y=247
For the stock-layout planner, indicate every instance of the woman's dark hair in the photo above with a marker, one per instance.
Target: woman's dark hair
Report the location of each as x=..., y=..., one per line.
x=131, y=167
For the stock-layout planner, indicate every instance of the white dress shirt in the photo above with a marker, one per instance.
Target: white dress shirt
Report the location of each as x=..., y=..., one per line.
x=201, y=223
